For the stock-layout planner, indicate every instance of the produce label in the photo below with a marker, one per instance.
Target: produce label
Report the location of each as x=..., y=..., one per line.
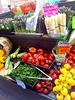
x=50, y=10
x=28, y=7
x=64, y=47
x=21, y=84
x=73, y=22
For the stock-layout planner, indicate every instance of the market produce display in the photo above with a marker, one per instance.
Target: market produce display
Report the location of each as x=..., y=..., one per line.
x=35, y=67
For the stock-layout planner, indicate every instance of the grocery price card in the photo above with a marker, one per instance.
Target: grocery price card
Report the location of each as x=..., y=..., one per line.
x=73, y=22
x=21, y=84
x=50, y=10
x=64, y=47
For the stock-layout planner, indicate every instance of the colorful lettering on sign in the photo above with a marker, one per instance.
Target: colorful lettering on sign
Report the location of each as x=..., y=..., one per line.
x=28, y=7
x=64, y=47
x=50, y=10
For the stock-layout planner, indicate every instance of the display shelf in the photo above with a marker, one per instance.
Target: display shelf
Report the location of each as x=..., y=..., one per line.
x=26, y=41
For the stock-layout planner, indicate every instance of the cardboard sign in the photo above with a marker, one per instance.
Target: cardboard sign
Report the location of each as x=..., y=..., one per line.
x=64, y=47
x=28, y=7
x=50, y=10
x=73, y=22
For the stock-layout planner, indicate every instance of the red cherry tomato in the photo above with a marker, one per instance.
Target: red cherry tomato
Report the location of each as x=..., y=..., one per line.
x=25, y=56
x=45, y=54
x=33, y=61
x=58, y=72
x=45, y=91
x=36, y=59
x=73, y=58
x=70, y=57
x=41, y=58
x=70, y=54
x=30, y=55
x=70, y=62
x=51, y=54
x=42, y=63
x=40, y=51
x=40, y=90
x=51, y=58
x=50, y=87
x=48, y=62
x=37, y=63
x=54, y=76
x=51, y=71
x=46, y=65
x=38, y=86
x=32, y=50
x=36, y=56
x=46, y=58
x=29, y=60
x=73, y=65
x=73, y=51
x=43, y=83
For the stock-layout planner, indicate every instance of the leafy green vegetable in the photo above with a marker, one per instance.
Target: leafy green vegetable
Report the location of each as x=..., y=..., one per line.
x=26, y=70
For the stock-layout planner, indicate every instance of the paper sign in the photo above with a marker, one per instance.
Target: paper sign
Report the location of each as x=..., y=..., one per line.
x=64, y=47
x=50, y=10
x=21, y=84
x=73, y=22
x=53, y=1
x=28, y=7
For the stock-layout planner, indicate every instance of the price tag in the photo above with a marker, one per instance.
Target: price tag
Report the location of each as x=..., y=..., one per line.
x=50, y=10
x=73, y=22
x=21, y=84
x=64, y=47
x=28, y=7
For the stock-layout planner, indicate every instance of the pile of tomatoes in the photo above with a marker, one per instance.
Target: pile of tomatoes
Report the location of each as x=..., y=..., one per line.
x=71, y=57
x=38, y=57
x=45, y=86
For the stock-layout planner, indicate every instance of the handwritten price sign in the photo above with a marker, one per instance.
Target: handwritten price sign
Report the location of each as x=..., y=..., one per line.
x=28, y=7
x=50, y=10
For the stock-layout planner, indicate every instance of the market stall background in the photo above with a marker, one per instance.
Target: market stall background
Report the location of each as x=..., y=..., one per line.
x=24, y=41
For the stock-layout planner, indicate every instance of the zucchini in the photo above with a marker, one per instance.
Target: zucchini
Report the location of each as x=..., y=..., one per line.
x=7, y=63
